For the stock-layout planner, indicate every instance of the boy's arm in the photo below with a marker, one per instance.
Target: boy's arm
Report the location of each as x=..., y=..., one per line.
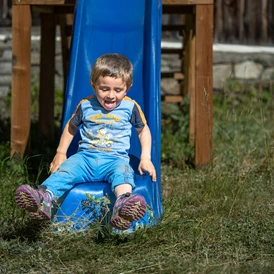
x=61, y=152
x=145, y=161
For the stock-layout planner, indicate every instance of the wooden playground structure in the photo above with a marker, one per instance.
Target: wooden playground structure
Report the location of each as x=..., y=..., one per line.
x=196, y=68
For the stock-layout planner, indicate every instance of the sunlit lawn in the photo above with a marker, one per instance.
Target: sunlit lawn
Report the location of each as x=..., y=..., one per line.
x=219, y=219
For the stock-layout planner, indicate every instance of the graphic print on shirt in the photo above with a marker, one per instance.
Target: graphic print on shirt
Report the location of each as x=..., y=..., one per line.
x=102, y=137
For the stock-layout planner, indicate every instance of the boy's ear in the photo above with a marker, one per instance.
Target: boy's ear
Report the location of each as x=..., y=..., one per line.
x=92, y=85
x=127, y=91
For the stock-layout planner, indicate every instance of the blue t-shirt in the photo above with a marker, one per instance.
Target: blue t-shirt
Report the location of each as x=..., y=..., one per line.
x=108, y=131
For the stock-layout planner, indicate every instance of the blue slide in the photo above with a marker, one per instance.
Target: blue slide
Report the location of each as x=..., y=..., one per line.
x=132, y=28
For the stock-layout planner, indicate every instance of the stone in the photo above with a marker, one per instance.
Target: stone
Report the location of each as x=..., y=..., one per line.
x=268, y=74
x=35, y=58
x=5, y=80
x=171, y=61
x=7, y=55
x=170, y=86
x=59, y=82
x=248, y=70
x=164, y=65
x=221, y=73
x=5, y=68
x=266, y=59
x=4, y=91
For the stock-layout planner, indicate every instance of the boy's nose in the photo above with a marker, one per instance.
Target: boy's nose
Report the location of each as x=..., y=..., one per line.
x=111, y=94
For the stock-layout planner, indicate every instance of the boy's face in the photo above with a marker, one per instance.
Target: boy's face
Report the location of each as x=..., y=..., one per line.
x=110, y=91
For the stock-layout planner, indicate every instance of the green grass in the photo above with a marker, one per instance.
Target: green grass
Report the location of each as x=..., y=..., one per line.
x=219, y=219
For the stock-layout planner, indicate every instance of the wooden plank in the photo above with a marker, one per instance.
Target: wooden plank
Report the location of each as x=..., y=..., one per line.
x=53, y=9
x=172, y=98
x=43, y=2
x=20, y=107
x=252, y=20
x=264, y=20
x=72, y=2
x=68, y=28
x=204, y=89
x=187, y=2
x=179, y=28
x=241, y=19
x=230, y=21
x=172, y=51
x=47, y=73
x=270, y=16
x=177, y=9
x=189, y=70
x=171, y=74
x=178, y=76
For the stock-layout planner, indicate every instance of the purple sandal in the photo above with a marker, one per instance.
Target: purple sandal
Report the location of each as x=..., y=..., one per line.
x=38, y=202
x=127, y=208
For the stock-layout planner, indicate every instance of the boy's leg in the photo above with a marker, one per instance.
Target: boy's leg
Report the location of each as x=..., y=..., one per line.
x=128, y=207
x=78, y=168
x=39, y=202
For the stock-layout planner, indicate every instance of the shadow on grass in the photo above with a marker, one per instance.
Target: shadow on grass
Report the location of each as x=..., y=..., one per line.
x=27, y=230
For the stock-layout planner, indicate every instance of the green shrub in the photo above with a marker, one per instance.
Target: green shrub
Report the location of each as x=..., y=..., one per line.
x=176, y=150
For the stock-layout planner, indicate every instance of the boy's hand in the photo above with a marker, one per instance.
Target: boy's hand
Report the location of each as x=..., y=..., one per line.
x=146, y=165
x=58, y=159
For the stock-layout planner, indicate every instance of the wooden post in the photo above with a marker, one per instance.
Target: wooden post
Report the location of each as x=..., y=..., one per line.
x=20, y=108
x=204, y=89
x=189, y=70
x=47, y=73
x=66, y=22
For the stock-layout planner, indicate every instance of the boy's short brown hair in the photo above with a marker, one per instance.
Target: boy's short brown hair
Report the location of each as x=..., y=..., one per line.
x=113, y=65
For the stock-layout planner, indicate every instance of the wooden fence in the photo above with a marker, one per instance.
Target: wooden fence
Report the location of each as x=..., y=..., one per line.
x=244, y=21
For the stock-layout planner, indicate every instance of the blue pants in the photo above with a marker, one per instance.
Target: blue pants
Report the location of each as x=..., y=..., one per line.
x=86, y=166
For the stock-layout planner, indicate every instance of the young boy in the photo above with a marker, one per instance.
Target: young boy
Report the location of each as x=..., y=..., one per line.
x=106, y=119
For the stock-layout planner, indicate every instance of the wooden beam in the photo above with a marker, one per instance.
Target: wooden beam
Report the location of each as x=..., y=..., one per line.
x=177, y=9
x=178, y=27
x=47, y=73
x=173, y=74
x=72, y=2
x=53, y=9
x=178, y=51
x=20, y=106
x=43, y=2
x=204, y=89
x=172, y=98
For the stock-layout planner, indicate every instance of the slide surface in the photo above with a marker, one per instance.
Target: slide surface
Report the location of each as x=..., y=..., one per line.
x=132, y=28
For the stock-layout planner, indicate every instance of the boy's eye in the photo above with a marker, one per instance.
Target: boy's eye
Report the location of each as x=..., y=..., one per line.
x=104, y=89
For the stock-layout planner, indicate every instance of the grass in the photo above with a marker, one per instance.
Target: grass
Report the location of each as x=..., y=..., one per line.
x=219, y=219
